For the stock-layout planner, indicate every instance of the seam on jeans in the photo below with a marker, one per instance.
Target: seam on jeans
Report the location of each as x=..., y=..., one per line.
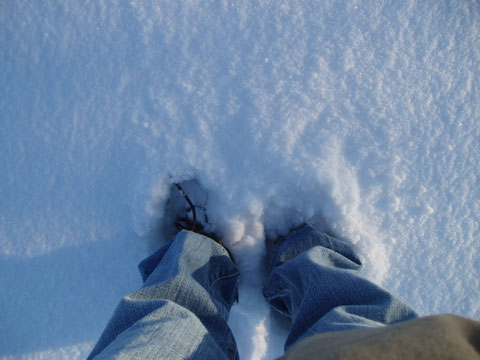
x=212, y=284
x=225, y=277
x=276, y=294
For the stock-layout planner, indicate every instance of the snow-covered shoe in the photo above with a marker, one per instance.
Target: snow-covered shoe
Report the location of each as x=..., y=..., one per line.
x=186, y=209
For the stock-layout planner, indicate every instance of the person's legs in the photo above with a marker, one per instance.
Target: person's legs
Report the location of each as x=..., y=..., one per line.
x=315, y=281
x=182, y=309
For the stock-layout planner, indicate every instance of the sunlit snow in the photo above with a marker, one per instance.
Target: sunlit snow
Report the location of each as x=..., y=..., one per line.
x=363, y=113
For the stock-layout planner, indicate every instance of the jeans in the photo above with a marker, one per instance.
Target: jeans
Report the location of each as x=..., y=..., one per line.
x=190, y=284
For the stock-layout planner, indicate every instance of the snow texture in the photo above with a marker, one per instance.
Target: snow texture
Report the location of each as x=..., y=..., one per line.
x=362, y=113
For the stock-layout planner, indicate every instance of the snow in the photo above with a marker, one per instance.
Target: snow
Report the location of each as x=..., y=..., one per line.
x=362, y=113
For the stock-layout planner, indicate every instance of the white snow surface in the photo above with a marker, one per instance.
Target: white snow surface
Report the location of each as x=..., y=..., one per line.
x=362, y=112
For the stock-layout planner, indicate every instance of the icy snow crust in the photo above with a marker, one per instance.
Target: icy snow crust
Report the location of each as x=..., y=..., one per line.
x=365, y=113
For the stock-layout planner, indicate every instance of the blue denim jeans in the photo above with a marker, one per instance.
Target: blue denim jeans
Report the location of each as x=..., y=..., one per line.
x=191, y=283
x=315, y=280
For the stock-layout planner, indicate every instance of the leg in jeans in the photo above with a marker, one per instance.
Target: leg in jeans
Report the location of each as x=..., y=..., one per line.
x=315, y=281
x=182, y=309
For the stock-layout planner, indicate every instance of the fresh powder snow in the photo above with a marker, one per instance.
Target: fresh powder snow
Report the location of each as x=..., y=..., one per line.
x=361, y=114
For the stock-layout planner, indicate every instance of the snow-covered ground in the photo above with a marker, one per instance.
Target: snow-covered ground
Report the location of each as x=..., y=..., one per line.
x=364, y=112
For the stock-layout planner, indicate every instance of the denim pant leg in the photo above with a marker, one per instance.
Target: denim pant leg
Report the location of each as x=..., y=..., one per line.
x=315, y=281
x=181, y=311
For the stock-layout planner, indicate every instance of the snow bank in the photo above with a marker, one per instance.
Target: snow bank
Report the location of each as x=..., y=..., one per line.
x=361, y=114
